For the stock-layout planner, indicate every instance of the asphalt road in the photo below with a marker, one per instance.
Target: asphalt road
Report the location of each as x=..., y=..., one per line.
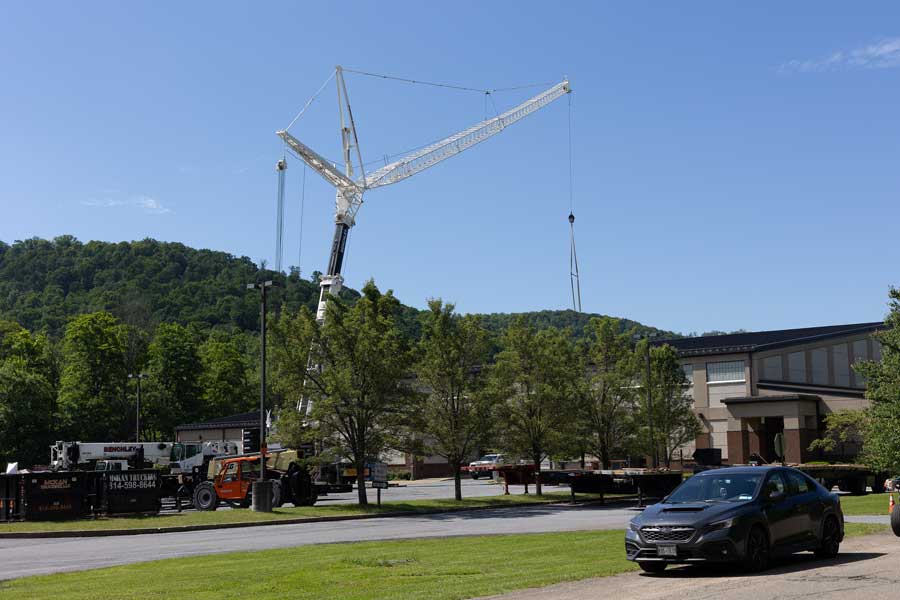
x=867, y=567
x=427, y=489
x=23, y=557
x=20, y=558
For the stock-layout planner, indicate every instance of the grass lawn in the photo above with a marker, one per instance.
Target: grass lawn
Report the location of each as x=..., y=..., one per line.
x=247, y=515
x=870, y=504
x=433, y=569
x=858, y=529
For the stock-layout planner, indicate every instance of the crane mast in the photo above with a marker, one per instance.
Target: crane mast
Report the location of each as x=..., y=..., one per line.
x=349, y=189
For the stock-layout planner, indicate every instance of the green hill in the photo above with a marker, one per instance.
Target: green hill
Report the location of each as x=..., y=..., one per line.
x=43, y=283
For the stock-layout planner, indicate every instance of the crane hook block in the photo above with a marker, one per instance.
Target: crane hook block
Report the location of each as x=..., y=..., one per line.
x=571, y=218
x=281, y=165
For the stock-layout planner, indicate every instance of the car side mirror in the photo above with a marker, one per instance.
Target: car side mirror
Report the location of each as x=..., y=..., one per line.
x=776, y=496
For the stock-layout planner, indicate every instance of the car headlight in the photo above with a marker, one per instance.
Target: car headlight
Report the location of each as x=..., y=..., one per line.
x=634, y=526
x=718, y=525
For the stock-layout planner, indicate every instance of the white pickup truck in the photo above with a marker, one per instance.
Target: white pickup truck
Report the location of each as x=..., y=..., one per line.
x=486, y=464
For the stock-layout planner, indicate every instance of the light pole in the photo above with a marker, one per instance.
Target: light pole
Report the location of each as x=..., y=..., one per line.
x=649, y=387
x=137, y=420
x=262, y=488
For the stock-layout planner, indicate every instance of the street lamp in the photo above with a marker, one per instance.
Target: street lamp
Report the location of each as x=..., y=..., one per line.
x=649, y=388
x=137, y=421
x=262, y=488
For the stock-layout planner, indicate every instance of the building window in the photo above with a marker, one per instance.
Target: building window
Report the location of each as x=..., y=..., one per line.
x=841, y=364
x=732, y=370
x=772, y=368
x=688, y=374
x=876, y=350
x=797, y=367
x=819, y=358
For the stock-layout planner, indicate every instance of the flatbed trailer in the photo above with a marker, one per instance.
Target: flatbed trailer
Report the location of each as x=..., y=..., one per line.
x=851, y=478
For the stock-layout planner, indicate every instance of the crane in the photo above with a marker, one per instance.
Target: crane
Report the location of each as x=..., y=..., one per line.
x=350, y=187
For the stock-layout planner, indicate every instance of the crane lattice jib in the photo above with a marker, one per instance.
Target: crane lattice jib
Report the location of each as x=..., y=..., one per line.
x=456, y=143
x=318, y=163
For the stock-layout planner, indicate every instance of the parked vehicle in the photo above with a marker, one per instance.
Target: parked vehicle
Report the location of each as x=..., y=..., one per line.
x=177, y=457
x=232, y=482
x=738, y=514
x=486, y=464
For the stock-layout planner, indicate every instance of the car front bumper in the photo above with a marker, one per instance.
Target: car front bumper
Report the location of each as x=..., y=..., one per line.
x=714, y=546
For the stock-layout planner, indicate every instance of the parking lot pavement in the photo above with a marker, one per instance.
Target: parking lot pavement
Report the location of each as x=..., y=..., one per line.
x=429, y=489
x=867, y=567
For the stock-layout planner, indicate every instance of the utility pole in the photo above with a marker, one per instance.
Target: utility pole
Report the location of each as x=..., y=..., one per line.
x=137, y=420
x=262, y=488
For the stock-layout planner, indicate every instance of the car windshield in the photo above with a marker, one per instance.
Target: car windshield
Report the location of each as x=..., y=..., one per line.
x=489, y=457
x=733, y=487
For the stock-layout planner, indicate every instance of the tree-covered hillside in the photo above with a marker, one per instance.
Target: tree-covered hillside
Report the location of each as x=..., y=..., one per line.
x=44, y=283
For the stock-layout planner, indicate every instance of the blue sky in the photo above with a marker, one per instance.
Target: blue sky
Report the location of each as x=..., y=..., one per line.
x=736, y=163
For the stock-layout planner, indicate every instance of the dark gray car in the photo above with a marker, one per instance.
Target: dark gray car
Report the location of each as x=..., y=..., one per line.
x=737, y=514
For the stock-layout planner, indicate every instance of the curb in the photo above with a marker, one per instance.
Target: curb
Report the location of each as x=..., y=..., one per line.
x=296, y=521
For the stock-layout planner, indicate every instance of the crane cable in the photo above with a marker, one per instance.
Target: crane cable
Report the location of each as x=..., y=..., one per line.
x=574, y=281
x=311, y=100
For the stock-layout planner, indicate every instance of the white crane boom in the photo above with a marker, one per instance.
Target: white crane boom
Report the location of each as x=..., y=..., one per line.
x=428, y=157
x=349, y=191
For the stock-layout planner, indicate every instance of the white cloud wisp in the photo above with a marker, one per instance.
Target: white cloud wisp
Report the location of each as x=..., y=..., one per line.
x=884, y=54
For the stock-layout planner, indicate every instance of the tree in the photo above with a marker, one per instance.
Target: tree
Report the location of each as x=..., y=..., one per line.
x=533, y=383
x=224, y=382
x=610, y=395
x=26, y=406
x=841, y=428
x=28, y=379
x=92, y=400
x=673, y=417
x=358, y=398
x=172, y=392
x=456, y=415
x=881, y=448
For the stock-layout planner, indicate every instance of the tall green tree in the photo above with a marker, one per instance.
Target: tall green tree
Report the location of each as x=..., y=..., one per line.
x=881, y=446
x=534, y=384
x=610, y=394
x=225, y=384
x=28, y=379
x=173, y=391
x=26, y=406
x=456, y=415
x=674, y=422
x=358, y=395
x=92, y=400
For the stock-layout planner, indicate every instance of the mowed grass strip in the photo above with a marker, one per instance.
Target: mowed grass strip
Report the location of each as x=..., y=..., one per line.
x=433, y=569
x=858, y=529
x=248, y=516
x=870, y=504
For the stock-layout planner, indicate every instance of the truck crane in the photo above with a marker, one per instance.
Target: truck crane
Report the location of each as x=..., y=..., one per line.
x=351, y=188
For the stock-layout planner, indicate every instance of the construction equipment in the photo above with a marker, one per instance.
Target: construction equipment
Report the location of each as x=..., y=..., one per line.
x=350, y=187
x=177, y=457
x=231, y=481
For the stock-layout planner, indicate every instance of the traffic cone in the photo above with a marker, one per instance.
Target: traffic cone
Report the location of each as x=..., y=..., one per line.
x=891, y=505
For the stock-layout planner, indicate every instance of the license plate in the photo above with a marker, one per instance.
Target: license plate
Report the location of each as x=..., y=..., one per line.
x=668, y=551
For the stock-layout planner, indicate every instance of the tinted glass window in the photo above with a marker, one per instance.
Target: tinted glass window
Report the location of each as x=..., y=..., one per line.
x=798, y=483
x=734, y=487
x=775, y=484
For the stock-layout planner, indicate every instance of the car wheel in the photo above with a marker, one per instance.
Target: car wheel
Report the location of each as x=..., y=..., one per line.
x=757, y=555
x=474, y=475
x=205, y=497
x=831, y=539
x=652, y=567
x=895, y=520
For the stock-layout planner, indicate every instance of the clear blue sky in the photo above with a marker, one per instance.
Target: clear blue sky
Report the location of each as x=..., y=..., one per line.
x=737, y=164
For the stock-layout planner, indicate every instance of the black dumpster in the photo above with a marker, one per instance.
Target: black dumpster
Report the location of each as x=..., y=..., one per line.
x=131, y=491
x=11, y=497
x=54, y=495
